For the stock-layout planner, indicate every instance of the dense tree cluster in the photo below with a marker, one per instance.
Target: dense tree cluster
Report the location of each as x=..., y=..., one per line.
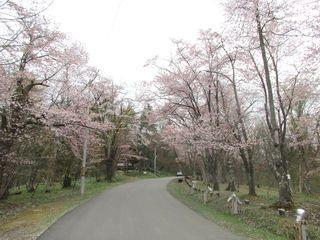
x=52, y=102
x=237, y=106
x=249, y=94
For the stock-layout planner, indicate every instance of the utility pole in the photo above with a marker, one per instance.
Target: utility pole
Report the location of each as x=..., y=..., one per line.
x=155, y=160
x=83, y=169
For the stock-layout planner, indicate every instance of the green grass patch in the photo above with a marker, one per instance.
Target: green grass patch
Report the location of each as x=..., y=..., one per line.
x=146, y=175
x=25, y=216
x=256, y=220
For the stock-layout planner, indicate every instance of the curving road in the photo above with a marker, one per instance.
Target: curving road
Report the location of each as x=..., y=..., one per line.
x=141, y=210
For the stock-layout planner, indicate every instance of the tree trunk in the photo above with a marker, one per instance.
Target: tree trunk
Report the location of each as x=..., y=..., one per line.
x=97, y=172
x=66, y=181
x=231, y=186
x=248, y=166
x=215, y=182
x=242, y=135
x=211, y=169
x=51, y=166
x=251, y=184
x=203, y=172
x=5, y=183
x=31, y=185
x=304, y=181
x=279, y=158
x=109, y=169
x=231, y=182
x=285, y=194
x=7, y=169
x=300, y=177
x=110, y=161
x=215, y=185
x=284, y=180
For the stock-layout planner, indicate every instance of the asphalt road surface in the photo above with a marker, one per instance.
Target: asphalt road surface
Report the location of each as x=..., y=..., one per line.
x=141, y=210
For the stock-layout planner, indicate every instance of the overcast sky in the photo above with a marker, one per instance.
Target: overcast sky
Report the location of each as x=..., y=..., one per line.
x=121, y=35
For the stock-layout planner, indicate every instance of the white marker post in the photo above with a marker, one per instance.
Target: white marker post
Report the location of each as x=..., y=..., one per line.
x=301, y=233
x=193, y=186
x=206, y=194
x=155, y=161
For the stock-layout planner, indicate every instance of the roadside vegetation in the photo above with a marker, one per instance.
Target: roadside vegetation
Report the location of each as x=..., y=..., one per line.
x=238, y=106
x=25, y=215
x=243, y=102
x=148, y=174
x=257, y=220
x=61, y=120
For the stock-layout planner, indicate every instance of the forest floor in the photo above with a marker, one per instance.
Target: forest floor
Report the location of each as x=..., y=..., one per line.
x=256, y=220
x=26, y=215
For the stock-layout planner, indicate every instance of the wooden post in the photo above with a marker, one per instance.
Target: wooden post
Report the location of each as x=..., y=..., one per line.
x=235, y=204
x=300, y=226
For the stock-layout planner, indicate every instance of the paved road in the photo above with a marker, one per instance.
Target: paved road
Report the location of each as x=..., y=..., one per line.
x=141, y=210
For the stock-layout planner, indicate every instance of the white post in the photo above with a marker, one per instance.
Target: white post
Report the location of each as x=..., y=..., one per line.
x=210, y=191
x=83, y=169
x=193, y=186
x=301, y=233
x=155, y=160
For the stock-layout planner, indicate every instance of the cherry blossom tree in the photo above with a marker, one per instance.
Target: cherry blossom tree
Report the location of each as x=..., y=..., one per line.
x=214, y=92
x=30, y=61
x=273, y=45
x=46, y=81
x=196, y=103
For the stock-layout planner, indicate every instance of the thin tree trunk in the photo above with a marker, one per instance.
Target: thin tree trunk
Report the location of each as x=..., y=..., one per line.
x=110, y=163
x=67, y=179
x=7, y=169
x=215, y=181
x=304, y=181
x=280, y=166
x=241, y=135
x=300, y=177
x=231, y=182
x=248, y=166
x=51, y=165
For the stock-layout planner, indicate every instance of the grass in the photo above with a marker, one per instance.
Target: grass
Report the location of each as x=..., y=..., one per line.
x=146, y=175
x=26, y=216
x=257, y=220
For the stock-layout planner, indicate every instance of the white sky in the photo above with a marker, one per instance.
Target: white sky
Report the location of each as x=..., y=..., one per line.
x=121, y=35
